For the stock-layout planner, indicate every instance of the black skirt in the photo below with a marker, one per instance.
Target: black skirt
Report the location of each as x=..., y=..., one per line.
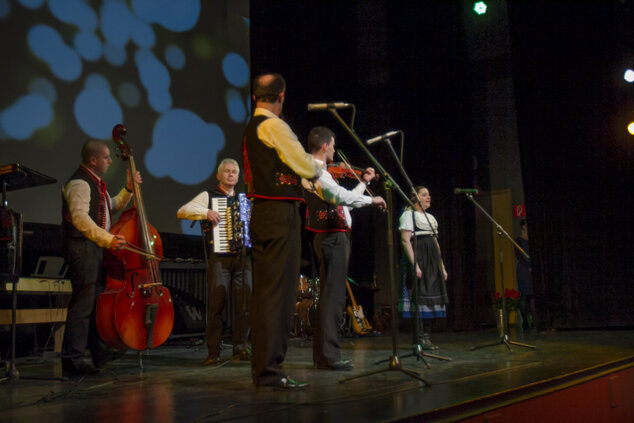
x=432, y=289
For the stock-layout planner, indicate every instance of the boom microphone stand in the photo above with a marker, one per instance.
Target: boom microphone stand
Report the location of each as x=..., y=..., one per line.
x=504, y=338
x=389, y=184
x=417, y=349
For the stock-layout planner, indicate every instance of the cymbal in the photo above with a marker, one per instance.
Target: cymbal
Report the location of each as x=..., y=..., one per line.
x=303, y=263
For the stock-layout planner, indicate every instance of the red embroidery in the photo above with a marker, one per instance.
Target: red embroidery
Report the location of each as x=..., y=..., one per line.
x=248, y=176
x=285, y=179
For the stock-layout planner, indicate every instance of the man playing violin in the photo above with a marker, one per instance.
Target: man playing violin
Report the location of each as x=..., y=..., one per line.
x=87, y=211
x=329, y=218
x=227, y=271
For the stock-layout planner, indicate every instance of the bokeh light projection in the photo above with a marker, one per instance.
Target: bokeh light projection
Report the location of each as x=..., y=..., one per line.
x=175, y=73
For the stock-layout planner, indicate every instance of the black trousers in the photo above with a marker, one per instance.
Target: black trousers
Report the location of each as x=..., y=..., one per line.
x=228, y=273
x=84, y=258
x=333, y=252
x=276, y=240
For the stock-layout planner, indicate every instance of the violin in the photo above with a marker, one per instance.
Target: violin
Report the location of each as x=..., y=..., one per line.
x=340, y=171
x=135, y=310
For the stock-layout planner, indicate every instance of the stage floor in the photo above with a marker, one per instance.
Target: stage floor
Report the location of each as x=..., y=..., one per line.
x=174, y=387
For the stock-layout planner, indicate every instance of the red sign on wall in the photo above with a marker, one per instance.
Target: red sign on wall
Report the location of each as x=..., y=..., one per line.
x=519, y=210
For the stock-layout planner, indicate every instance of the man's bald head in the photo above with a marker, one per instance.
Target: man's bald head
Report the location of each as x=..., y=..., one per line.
x=268, y=87
x=92, y=148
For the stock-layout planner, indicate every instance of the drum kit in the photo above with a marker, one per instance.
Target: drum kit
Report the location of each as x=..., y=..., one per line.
x=306, y=306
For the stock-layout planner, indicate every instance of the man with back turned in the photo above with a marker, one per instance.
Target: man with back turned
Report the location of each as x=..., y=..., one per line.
x=274, y=163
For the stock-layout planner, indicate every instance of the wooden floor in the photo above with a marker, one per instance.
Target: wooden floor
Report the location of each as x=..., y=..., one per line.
x=174, y=387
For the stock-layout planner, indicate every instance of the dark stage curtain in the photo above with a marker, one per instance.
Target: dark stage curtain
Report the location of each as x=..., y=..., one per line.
x=577, y=158
x=405, y=65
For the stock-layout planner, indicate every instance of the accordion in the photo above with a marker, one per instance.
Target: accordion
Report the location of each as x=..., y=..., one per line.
x=232, y=233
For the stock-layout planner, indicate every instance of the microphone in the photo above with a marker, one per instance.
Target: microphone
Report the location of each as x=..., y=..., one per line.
x=326, y=106
x=381, y=137
x=465, y=191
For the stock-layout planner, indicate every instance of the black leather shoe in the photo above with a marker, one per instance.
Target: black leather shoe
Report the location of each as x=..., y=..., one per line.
x=286, y=384
x=337, y=365
x=242, y=355
x=77, y=366
x=211, y=360
x=102, y=354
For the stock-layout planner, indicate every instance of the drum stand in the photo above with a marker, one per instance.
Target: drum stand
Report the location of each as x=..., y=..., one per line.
x=389, y=184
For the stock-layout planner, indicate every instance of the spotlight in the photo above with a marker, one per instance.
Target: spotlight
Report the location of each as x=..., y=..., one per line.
x=630, y=128
x=480, y=8
x=629, y=75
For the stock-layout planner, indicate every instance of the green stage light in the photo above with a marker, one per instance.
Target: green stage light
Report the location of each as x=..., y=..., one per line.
x=480, y=8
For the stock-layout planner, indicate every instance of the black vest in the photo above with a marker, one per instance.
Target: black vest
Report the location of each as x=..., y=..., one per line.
x=265, y=175
x=322, y=216
x=98, y=205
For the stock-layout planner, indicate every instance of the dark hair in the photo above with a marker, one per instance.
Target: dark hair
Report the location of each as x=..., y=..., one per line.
x=91, y=148
x=522, y=222
x=414, y=197
x=270, y=92
x=318, y=136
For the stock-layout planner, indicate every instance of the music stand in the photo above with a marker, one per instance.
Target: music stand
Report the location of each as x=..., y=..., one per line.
x=504, y=337
x=389, y=184
x=13, y=177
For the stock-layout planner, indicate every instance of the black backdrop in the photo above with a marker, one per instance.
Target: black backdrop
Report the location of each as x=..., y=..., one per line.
x=578, y=160
x=405, y=66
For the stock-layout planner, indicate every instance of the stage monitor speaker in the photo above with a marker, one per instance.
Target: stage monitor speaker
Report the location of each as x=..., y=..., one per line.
x=189, y=313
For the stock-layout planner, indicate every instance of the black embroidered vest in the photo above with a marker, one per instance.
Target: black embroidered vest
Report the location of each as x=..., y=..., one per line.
x=98, y=206
x=322, y=216
x=265, y=175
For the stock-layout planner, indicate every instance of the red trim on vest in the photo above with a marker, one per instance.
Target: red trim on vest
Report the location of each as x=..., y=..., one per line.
x=325, y=230
x=264, y=197
x=248, y=176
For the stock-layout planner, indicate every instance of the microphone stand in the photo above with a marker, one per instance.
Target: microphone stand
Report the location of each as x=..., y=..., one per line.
x=12, y=373
x=389, y=184
x=417, y=349
x=504, y=336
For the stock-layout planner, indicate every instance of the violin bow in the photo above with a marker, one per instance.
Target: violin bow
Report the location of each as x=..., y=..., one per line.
x=344, y=159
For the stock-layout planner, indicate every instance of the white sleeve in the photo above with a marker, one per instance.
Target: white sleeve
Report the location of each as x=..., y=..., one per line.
x=334, y=193
x=405, y=221
x=196, y=209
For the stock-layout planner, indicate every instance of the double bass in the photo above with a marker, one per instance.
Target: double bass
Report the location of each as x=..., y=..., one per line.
x=135, y=310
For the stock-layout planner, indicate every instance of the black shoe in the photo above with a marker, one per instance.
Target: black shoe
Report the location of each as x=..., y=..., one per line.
x=337, y=365
x=426, y=344
x=77, y=366
x=242, y=355
x=102, y=354
x=286, y=384
x=211, y=360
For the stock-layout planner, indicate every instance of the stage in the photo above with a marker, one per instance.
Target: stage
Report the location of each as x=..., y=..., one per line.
x=174, y=387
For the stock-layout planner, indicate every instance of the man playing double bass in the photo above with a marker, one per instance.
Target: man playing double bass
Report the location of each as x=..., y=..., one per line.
x=87, y=211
